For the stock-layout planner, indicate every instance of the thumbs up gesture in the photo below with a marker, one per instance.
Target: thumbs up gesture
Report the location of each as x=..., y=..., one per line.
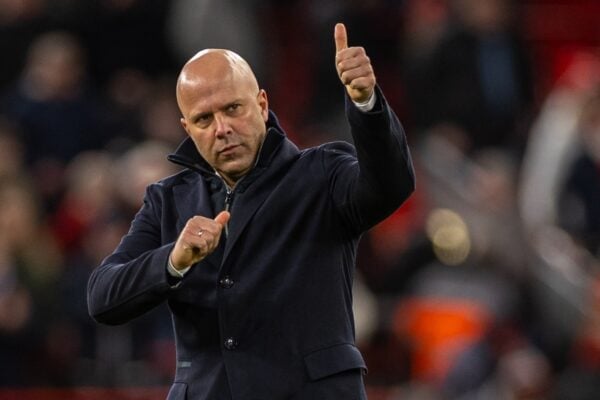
x=199, y=238
x=353, y=67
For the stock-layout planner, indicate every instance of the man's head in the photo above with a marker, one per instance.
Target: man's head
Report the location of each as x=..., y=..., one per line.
x=223, y=111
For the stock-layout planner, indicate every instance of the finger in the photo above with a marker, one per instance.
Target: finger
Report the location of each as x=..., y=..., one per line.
x=341, y=37
x=192, y=240
x=353, y=62
x=363, y=85
x=223, y=218
x=209, y=244
x=364, y=72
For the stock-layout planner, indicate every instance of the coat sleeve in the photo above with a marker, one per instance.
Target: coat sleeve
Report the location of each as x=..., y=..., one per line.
x=369, y=182
x=133, y=279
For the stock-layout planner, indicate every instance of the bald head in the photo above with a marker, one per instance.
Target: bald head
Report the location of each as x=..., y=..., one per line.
x=211, y=66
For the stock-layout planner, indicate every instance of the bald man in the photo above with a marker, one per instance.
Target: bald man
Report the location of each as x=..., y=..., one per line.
x=253, y=245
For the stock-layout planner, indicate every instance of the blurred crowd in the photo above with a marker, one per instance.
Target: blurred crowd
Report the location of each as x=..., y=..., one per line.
x=485, y=285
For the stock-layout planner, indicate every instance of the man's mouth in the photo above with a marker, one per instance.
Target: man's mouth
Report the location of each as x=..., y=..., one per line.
x=228, y=149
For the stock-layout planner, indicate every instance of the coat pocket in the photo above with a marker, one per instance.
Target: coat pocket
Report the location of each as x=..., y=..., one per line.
x=332, y=360
x=178, y=391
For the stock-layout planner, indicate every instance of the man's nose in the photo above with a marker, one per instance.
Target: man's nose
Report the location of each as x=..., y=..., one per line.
x=222, y=127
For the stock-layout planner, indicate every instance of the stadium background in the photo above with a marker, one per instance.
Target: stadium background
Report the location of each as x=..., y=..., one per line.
x=484, y=286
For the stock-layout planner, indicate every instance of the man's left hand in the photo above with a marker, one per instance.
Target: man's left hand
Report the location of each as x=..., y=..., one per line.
x=353, y=67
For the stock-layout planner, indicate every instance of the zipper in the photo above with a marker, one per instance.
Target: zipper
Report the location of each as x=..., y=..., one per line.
x=228, y=201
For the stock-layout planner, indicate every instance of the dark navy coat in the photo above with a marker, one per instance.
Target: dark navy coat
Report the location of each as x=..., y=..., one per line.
x=268, y=315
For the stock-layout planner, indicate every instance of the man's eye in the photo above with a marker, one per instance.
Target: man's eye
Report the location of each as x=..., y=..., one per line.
x=234, y=107
x=203, y=119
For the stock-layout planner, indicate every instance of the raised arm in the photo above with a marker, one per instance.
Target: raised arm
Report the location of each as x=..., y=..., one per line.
x=368, y=191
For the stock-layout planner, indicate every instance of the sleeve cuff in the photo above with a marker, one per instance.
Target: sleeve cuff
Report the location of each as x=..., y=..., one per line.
x=175, y=272
x=367, y=105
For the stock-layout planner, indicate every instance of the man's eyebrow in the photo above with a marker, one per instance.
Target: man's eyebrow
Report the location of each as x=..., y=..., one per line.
x=230, y=103
x=196, y=117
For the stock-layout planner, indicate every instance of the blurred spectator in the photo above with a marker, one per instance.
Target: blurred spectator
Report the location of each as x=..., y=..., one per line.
x=479, y=77
x=146, y=349
x=160, y=116
x=558, y=185
x=496, y=224
x=55, y=109
x=470, y=300
x=551, y=146
x=523, y=373
x=458, y=287
x=20, y=22
x=141, y=108
x=51, y=102
x=16, y=307
x=426, y=23
x=563, y=265
x=126, y=92
x=453, y=308
x=483, y=189
x=30, y=266
x=137, y=168
x=88, y=198
x=100, y=198
x=579, y=210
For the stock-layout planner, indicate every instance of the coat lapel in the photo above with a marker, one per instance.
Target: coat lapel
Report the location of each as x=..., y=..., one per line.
x=191, y=199
x=256, y=190
x=246, y=204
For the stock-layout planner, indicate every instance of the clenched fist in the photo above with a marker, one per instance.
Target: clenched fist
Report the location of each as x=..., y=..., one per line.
x=198, y=239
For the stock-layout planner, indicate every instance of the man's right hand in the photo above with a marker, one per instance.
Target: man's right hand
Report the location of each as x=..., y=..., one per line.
x=199, y=238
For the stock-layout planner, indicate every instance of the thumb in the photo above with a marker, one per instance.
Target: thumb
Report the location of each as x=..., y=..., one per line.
x=341, y=37
x=223, y=217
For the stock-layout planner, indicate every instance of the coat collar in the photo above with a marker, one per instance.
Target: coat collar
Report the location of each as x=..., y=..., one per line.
x=276, y=155
x=187, y=154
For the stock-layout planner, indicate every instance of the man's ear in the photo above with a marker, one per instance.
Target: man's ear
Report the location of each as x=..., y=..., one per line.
x=263, y=102
x=184, y=124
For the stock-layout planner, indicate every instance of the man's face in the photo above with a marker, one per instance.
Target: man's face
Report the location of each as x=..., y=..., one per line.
x=226, y=119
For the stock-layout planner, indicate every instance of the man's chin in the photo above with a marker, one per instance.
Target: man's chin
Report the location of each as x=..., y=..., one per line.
x=233, y=173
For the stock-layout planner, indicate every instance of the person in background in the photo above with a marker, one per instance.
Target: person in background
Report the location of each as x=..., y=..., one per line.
x=579, y=211
x=56, y=110
x=478, y=77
